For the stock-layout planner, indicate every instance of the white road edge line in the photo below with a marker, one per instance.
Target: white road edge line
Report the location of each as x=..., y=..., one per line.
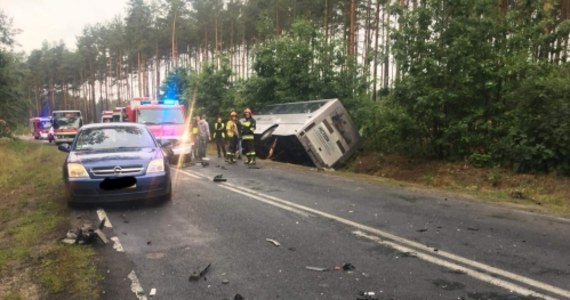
x=192, y=175
x=136, y=286
x=455, y=267
x=102, y=215
x=383, y=234
x=248, y=194
x=302, y=213
x=117, y=244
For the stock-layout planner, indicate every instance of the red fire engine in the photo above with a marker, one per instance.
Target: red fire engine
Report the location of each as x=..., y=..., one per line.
x=167, y=122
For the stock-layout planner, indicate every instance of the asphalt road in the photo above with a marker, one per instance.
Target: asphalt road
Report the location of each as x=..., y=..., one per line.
x=403, y=244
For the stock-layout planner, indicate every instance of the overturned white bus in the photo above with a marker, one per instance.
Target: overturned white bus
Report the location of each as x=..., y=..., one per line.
x=317, y=132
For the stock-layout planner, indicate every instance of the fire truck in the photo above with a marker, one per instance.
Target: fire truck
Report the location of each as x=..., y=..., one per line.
x=166, y=121
x=106, y=116
x=119, y=114
x=40, y=127
x=66, y=124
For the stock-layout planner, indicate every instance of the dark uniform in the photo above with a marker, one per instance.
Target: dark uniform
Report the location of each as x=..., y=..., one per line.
x=220, y=136
x=247, y=130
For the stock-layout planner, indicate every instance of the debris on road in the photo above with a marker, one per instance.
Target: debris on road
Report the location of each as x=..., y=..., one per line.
x=195, y=276
x=422, y=230
x=225, y=281
x=274, y=242
x=85, y=235
x=219, y=178
x=472, y=228
x=316, y=269
x=345, y=267
x=152, y=292
x=238, y=297
x=366, y=296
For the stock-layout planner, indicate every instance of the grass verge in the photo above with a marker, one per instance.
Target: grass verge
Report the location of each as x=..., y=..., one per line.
x=33, y=216
x=545, y=193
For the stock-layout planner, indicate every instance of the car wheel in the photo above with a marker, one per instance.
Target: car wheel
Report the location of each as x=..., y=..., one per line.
x=168, y=196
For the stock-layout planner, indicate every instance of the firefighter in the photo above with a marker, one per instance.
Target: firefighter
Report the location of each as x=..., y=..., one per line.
x=232, y=135
x=220, y=136
x=247, y=130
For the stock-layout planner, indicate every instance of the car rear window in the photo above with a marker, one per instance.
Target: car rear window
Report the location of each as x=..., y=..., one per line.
x=113, y=138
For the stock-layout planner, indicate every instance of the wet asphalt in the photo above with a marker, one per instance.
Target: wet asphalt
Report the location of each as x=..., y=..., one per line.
x=214, y=223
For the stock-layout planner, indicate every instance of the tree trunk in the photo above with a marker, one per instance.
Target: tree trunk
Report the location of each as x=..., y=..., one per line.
x=352, y=29
x=174, y=45
x=92, y=92
x=157, y=77
x=216, y=41
x=326, y=22
x=375, y=89
x=386, y=49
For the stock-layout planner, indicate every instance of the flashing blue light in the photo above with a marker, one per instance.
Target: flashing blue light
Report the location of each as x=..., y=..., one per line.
x=170, y=102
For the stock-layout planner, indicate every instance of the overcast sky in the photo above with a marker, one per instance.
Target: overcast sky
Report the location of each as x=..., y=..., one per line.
x=55, y=20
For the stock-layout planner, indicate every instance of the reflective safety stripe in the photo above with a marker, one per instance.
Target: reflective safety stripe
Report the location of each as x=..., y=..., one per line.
x=247, y=137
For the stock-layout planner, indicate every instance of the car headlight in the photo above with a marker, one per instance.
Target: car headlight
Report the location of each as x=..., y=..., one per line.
x=186, y=138
x=155, y=166
x=75, y=170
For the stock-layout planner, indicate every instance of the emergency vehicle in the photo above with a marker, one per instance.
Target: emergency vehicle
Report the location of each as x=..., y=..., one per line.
x=40, y=127
x=166, y=121
x=316, y=132
x=106, y=116
x=66, y=124
x=119, y=114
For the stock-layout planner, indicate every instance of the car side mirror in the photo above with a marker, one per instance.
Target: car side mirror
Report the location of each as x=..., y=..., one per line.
x=165, y=144
x=64, y=148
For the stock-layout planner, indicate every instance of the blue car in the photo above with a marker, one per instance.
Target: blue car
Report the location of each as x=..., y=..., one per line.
x=115, y=162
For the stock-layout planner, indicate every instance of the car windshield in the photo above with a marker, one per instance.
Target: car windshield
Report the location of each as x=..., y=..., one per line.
x=110, y=138
x=160, y=116
x=44, y=125
x=67, y=120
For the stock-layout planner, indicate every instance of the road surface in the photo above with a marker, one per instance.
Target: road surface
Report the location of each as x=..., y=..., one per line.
x=395, y=242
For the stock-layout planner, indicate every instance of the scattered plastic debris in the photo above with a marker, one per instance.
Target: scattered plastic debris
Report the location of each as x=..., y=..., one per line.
x=274, y=242
x=86, y=235
x=366, y=296
x=152, y=292
x=195, y=276
x=345, y=267
x=316, y=269
x=219, y=178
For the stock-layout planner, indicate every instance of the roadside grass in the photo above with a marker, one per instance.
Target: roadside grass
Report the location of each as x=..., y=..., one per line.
x=33, y=216
x=546, y=193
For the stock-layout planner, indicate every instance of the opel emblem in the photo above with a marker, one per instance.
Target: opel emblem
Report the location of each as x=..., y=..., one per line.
x=117, y=170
